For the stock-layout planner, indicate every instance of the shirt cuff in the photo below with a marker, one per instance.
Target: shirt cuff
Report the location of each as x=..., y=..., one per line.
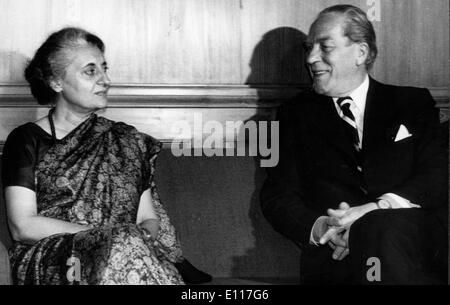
x=398, y=202
x=311, y=237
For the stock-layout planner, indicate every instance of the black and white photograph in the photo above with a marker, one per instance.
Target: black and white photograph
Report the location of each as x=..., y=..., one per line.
x=226, y=148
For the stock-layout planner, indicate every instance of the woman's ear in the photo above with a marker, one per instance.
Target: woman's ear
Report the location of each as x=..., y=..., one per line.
x=363, y=53
x=56, y=85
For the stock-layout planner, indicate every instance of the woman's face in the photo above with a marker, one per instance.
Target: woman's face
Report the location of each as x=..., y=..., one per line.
x=84, y=87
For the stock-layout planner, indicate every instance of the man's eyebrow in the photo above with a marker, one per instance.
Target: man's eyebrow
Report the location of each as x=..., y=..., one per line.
x=323, y=39
x=310, y=41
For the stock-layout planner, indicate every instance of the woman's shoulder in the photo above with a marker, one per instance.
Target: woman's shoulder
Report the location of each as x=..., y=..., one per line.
x=116, y=126
x=43, y=123
x=145, y=141
x=26, y=132
x=26, y=138
x=22, y=149
x=122, y=127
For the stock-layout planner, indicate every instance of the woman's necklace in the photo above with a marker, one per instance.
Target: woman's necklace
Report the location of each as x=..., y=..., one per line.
x=52, y=124
x=70, y=123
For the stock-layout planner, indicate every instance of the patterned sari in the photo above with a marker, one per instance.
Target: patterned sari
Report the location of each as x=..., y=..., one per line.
x=95, y=176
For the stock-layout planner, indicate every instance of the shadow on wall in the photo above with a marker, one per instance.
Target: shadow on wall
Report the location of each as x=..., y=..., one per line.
x=278, y=61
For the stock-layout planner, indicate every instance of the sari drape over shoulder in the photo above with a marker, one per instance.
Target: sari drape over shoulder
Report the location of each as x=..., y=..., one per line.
x=96, y=176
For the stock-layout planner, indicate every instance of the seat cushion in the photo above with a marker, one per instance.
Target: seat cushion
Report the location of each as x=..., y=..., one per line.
x=214, y=204
x=5, y=278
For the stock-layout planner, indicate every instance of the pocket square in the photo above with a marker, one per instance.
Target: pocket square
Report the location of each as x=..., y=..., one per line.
x=402, y=133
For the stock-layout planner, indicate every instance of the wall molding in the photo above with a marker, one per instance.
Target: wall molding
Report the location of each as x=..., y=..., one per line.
x=154, y=95
x=161, y=104
x=154, y=92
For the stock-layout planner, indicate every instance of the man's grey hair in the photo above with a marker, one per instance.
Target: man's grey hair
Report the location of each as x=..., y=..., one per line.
x=357, y=28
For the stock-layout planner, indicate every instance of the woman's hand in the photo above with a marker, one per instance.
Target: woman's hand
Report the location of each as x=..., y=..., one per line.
x=146, y=216
x=151, y=225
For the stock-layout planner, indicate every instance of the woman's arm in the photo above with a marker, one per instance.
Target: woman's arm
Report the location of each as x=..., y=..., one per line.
x=146, y=216
x=25, y=225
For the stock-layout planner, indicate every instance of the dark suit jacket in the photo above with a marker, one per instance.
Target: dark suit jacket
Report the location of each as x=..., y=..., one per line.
x=317, y=167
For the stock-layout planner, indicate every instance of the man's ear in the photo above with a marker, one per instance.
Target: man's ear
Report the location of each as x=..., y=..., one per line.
x=55, y=84
x=363, y=52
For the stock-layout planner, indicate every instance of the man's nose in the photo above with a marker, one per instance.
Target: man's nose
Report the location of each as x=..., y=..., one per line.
x=313, y=55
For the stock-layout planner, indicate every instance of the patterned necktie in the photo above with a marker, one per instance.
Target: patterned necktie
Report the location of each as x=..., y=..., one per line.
x=350, y=127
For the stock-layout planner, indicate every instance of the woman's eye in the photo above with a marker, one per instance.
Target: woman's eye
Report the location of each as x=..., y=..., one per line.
x=90, y=72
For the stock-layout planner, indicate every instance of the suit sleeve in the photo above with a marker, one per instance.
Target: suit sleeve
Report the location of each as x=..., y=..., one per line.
x=282, y=195
x=428, y=184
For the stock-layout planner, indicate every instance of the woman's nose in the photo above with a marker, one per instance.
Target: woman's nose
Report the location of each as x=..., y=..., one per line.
x=104, y=79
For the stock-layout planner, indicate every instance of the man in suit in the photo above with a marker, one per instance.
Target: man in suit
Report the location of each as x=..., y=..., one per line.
x=363, y=171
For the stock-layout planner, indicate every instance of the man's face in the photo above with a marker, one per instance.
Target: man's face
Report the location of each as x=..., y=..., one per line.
x=334, y=61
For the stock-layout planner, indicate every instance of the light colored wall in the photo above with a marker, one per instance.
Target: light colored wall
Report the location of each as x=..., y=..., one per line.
x=212, y=41
x=171, y=58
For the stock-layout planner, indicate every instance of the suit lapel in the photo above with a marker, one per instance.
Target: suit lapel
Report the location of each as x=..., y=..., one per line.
x=330, y=126
x=378, y=117
x=379, y=121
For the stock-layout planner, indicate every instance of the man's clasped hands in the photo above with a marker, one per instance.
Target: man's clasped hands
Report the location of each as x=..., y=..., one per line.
x=334, y=229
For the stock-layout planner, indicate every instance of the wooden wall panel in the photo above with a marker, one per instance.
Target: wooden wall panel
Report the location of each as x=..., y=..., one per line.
x=179, y=42
x=414, y=43
x=158, y=41
x=169, y=57
x=228, y=42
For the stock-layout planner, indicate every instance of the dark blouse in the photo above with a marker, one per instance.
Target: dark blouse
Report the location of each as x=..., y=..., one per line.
x=24, y=147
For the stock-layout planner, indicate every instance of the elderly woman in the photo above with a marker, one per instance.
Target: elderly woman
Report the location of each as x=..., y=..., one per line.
x=81, y=200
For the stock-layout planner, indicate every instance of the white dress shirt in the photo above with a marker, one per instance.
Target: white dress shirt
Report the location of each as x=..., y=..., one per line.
x=359, y=96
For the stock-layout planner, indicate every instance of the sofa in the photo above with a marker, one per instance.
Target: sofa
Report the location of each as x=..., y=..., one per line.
x=214, y=204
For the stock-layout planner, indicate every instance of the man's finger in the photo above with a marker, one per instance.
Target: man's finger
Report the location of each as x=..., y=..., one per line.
x=333, y=246
x=329, y=234
x=347, y=219
x=338, y=240
x=338, y=252
x=344, y=206
x=332, y=221
x=344, y=254
x=347, y=248
x=335, y=213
